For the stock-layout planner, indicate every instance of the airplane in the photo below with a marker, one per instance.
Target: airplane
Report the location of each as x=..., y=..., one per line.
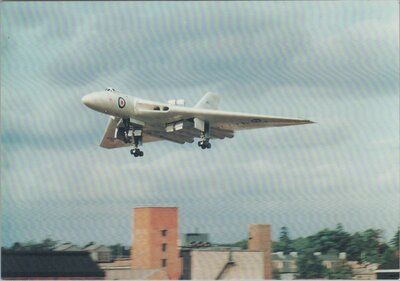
x=134, y=121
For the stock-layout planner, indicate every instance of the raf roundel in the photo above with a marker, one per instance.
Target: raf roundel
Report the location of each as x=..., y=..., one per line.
x=121, y=102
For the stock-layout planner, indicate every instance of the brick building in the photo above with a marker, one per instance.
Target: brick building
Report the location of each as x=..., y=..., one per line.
x=155, y=240
x=223, y=263
x=260, y=240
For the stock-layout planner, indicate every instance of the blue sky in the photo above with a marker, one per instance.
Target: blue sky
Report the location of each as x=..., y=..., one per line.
x=336, y=63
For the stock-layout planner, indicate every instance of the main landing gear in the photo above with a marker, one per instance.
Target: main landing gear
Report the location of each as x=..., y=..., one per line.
x=205, y=135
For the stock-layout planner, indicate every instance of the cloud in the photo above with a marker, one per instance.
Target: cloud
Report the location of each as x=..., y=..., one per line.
x=207, y=49
x=200, y=52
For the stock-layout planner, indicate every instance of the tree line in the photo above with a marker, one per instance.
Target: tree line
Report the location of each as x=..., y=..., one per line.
x=365, y=246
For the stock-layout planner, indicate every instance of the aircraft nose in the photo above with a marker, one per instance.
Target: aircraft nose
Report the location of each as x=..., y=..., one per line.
x=88, y=100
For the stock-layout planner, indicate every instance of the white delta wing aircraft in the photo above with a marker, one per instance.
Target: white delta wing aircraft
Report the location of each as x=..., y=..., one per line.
x=135, y=121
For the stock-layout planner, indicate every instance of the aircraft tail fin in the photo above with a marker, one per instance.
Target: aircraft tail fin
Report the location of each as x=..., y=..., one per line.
x=209, y=101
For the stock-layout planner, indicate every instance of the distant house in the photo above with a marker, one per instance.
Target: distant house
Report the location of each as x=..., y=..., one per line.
x=389, y=270
x=29, y=265
x=285, y=265
x=363, y=271
x=99, y=253
x=331, y=258
x=67, y=247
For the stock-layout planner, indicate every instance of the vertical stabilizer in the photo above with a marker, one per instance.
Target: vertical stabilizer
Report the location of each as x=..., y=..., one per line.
x=209, y=101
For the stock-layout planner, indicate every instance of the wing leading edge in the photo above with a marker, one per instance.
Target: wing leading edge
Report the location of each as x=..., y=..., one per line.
x=228, y=120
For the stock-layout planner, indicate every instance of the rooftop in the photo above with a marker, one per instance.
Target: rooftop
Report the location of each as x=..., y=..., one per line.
x=48, y=264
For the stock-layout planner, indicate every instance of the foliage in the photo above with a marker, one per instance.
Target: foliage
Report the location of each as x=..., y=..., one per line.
x=46, y=245
x=118, y=251
x=328, y=239
x=340, y=270
x=395, y=242
x=372, y=246
x=389, y=255
x=243, y=244
x=284, y=244
x=366, y=246
x=89, y=244
x=310, y=266
x=301, y=244
x=354, y=248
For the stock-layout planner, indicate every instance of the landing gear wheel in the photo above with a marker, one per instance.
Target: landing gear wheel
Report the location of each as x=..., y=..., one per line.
x=204, y=144
x=136, y=152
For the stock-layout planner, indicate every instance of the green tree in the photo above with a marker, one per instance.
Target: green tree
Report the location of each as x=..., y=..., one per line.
x=301, y=245
x=284, y=244
x=389, y=255
x=17, y=246
x=89, y=244
x=371, y=246
x=117, y=250
x=340, y=270
x=354, y=247
x=241, y=244
x=46, y=245
x=323, y=241
x=310, y=266
x=341, y=238
x=395, y=242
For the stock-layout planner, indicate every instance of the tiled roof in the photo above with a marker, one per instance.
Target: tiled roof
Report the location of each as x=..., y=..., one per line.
x=67, y=247
x=48, y=264
x=95, y=247
x=283, y=258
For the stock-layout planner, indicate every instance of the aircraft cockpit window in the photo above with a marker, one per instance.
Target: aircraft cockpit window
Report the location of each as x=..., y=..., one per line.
x=110, y=90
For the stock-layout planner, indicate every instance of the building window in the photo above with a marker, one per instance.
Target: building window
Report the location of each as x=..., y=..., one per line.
x=104, y=256
x=163, y=262
x=164, y=232
x=164, y=247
